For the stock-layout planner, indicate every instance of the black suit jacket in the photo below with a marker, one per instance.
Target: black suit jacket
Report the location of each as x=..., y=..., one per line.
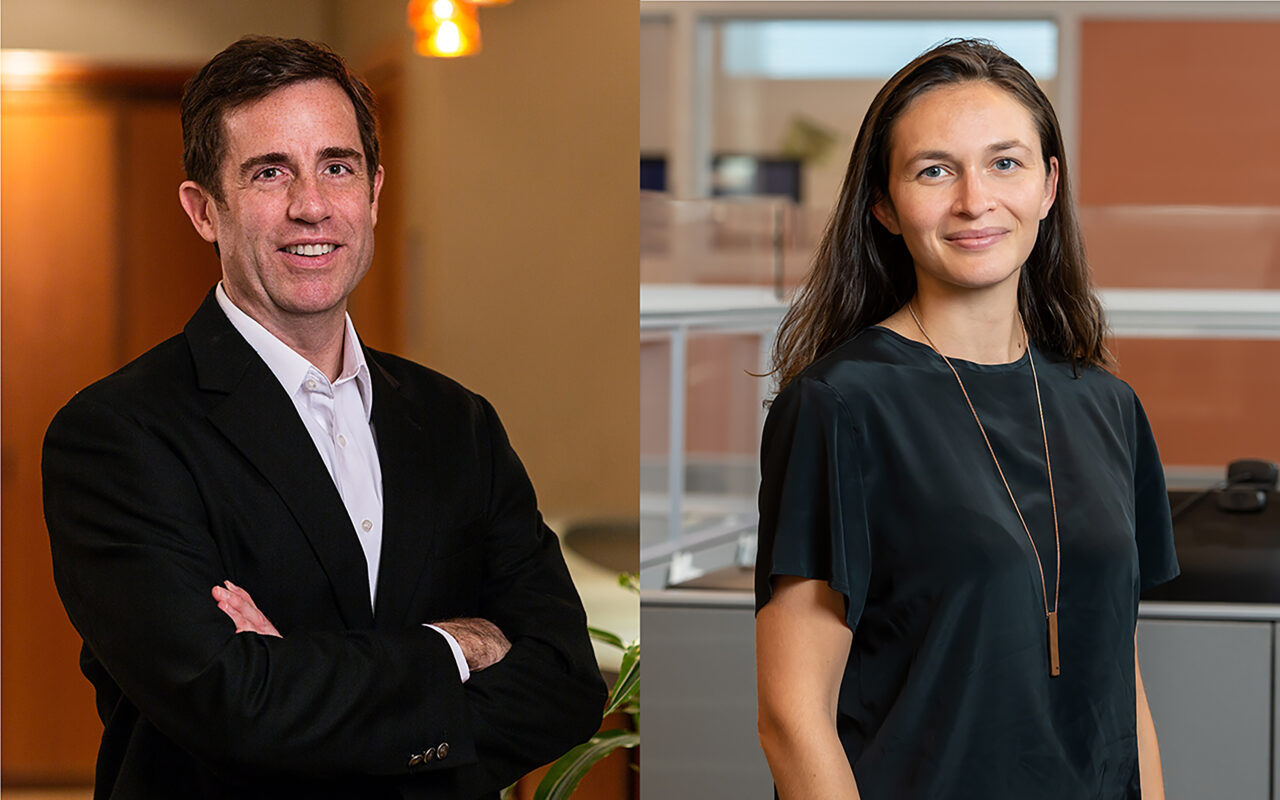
x=190, y=466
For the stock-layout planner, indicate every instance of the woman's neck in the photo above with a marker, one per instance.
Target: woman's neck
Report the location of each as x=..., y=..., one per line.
x=979, y=326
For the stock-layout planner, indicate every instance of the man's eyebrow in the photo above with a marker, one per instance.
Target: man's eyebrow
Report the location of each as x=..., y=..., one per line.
x=341, y=152
x=253, y=162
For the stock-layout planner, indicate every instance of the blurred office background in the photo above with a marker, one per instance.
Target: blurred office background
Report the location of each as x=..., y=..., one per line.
x=506, y=253
x=748, y=112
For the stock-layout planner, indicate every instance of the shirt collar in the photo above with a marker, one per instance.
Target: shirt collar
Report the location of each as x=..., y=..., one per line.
x=290, y=368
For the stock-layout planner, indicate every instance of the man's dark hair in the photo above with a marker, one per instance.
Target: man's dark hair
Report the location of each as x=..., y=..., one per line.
x=248, y=70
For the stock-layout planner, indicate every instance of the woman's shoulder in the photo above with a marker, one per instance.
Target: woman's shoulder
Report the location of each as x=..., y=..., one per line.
x=867, y=369
x=1093, y=379
x=868, y=353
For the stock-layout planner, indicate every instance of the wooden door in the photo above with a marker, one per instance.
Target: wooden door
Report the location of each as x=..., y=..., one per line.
x=99, y=263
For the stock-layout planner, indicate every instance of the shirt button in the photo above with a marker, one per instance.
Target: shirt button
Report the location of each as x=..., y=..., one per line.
x=366, y=525
x=311, y=384
x=342, y=440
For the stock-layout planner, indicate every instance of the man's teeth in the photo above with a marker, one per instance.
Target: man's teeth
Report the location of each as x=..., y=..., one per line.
x=310, y=249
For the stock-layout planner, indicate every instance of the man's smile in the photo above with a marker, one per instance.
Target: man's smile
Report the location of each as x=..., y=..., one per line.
x=310, y=249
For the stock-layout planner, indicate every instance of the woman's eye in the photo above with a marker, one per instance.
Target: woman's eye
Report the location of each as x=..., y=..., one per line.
x=1005, y=164
x=932, y=172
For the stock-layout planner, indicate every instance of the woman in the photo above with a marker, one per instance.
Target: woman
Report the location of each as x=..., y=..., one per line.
x=959, y=506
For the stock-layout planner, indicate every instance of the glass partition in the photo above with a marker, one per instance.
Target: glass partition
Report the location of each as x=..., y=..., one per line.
x=1192, y=296
x=795, y=90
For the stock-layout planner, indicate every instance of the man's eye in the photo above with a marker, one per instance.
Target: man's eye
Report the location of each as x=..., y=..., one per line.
x=270, y=173
x=337, y=169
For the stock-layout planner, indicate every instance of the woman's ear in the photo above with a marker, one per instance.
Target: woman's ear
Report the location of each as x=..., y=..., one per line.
x=1050, y=187
x=883, y=210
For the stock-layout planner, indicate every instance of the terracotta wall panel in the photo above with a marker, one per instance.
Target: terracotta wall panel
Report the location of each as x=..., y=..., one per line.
x=1210, y=401
x=1180, y=112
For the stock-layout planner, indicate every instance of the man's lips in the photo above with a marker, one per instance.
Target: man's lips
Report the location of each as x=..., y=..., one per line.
x=977, y=238
x=310, y=249
x=310, y=255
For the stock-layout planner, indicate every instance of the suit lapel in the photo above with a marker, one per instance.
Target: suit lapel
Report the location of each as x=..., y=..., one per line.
x=411, y=462
x=258, y=417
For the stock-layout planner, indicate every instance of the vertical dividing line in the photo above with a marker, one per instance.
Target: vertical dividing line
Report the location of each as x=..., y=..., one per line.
x=1067, y=103
x=675, y=433
x=688, y=171
x=1275, y=762
x=123, y=310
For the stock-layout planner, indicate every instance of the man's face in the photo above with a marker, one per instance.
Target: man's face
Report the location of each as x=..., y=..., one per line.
x=295, y=228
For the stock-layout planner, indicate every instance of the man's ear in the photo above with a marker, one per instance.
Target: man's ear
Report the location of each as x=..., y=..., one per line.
x=883, y=211
x=201, y=208
x=377, y=190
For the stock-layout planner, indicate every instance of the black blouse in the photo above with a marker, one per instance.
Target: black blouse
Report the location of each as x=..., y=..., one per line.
x=875, y=478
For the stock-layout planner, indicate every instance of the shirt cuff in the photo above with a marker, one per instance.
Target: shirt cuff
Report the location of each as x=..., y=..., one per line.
x=464, y=672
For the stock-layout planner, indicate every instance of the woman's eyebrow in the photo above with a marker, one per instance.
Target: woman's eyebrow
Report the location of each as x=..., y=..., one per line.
x=943, y=155
x=1008, y=144
x=930, y=155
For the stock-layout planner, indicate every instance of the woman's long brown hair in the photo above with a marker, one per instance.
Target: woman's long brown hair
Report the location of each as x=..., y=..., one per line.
x=861, y=273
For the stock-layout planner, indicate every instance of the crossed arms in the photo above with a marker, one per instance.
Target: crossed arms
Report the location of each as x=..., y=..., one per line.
x=138, y=539
x=482, y=642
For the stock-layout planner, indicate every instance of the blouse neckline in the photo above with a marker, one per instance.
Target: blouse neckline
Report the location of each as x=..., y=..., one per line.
x=960, y=363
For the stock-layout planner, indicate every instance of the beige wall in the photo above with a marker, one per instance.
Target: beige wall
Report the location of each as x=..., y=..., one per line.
x=152, y=31
x=524, y=243
x=655, y=86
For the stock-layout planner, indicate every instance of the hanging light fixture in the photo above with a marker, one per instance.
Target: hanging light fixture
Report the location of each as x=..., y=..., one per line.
x=445, y=28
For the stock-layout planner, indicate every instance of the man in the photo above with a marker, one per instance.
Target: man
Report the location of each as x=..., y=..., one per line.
x=253, y=523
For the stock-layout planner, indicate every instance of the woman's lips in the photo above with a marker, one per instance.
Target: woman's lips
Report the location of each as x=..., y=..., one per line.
x=977, y=239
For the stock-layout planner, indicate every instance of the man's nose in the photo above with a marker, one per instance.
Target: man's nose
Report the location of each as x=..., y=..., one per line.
x=307, y=200
x=973, y=195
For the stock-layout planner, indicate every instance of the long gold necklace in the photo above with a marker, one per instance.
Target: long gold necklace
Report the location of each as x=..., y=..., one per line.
x=1050, y=614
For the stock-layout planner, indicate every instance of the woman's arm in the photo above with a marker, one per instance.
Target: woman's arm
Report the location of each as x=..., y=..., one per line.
x=802, y=644
x=1149, y=770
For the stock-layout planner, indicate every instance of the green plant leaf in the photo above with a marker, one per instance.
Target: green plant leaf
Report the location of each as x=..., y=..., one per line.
x=627, y=688
x=630, y=581
x=601, y=635
x=567, y=772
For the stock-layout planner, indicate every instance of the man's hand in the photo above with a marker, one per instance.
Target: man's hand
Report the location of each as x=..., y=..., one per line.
x=237, y=604
x=481, y=641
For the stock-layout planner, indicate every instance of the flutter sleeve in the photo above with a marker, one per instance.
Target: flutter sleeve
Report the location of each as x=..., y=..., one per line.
x=1153, y=525
x=813, y=521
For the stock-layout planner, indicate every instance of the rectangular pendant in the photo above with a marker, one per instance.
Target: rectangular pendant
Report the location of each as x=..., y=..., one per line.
x=1053, y=643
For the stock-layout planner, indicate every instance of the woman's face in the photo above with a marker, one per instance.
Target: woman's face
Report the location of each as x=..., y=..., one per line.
x=967, y=186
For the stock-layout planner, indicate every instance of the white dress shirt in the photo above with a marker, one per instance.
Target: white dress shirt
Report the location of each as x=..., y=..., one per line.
x=338, y=416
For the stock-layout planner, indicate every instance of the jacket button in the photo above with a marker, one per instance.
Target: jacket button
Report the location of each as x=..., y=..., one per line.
x=428, y=754
x=415, y=759
x=442, y=750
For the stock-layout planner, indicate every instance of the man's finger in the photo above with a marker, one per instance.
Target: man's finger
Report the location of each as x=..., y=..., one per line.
x=239, y=606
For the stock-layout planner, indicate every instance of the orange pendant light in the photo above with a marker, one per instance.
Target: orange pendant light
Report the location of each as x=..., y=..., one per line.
x=444, y=28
